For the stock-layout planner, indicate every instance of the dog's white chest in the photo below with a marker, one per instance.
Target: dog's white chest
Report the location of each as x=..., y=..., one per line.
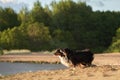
x=64, y=61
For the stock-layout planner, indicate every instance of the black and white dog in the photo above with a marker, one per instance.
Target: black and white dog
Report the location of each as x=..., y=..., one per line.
x=74, y=58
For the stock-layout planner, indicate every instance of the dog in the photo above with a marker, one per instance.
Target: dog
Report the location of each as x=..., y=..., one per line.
x=73, y=58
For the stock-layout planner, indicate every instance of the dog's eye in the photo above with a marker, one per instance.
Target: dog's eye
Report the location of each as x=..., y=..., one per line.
x=63, y=55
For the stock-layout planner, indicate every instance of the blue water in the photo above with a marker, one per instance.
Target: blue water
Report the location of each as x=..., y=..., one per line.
x=7, y=68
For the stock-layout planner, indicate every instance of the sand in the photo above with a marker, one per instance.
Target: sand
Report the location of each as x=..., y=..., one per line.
x=107, y=67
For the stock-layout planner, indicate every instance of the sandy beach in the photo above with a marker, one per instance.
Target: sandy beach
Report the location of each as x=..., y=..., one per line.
x=107, y=67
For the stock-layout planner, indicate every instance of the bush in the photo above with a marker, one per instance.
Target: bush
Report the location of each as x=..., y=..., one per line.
x=115, y=46
x=1, y=51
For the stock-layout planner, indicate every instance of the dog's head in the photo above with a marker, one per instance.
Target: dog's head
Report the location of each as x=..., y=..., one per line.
x=62, y=52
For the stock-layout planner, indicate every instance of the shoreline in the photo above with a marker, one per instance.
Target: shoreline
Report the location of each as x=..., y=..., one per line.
x=108, y=67
x=36, y=62
x=89, y=73
x=99, y=59
x=30, y=58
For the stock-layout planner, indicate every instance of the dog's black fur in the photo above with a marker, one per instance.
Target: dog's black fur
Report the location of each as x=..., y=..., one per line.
x=76, y=57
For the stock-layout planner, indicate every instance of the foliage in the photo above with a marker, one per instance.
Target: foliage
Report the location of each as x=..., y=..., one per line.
x=23, y=15
x=8, y=18
x=35, y=36
x=38, y=14
x=13, y=38
x=62, y=24
x=39, y=36
x=1, y=51
x=115, y=46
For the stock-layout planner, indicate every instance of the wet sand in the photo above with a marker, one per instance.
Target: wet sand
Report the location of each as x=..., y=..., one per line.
x=34, y=58
x=107, y=67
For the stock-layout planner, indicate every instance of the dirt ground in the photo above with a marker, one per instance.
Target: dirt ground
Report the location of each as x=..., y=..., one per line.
x=107, y=67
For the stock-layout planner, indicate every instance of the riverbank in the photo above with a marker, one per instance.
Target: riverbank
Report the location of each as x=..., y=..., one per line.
x=30, y=58
x=90, y=73
x=99, y=59
x=107, y=67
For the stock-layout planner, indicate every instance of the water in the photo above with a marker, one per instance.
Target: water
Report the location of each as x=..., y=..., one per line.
x=13, y=68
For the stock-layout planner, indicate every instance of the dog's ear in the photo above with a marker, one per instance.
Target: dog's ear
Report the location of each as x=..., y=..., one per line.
x=67, y=50
x=58, y=50
x=63, y=52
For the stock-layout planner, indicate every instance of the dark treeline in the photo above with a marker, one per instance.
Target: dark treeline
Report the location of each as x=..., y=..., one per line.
x=62, y=24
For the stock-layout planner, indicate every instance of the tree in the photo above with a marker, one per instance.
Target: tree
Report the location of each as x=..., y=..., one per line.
x=35, y=36
x=14, y=39
x=72, y=17
x=38, y=14
x=115, y=45
x=39, y=36
x=8, y=19
x=24, y=15
x=63, y=24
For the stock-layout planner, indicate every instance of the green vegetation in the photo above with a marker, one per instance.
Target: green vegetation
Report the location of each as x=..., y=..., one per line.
x=1, y=51
x=115, y=46
x=65, y=24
